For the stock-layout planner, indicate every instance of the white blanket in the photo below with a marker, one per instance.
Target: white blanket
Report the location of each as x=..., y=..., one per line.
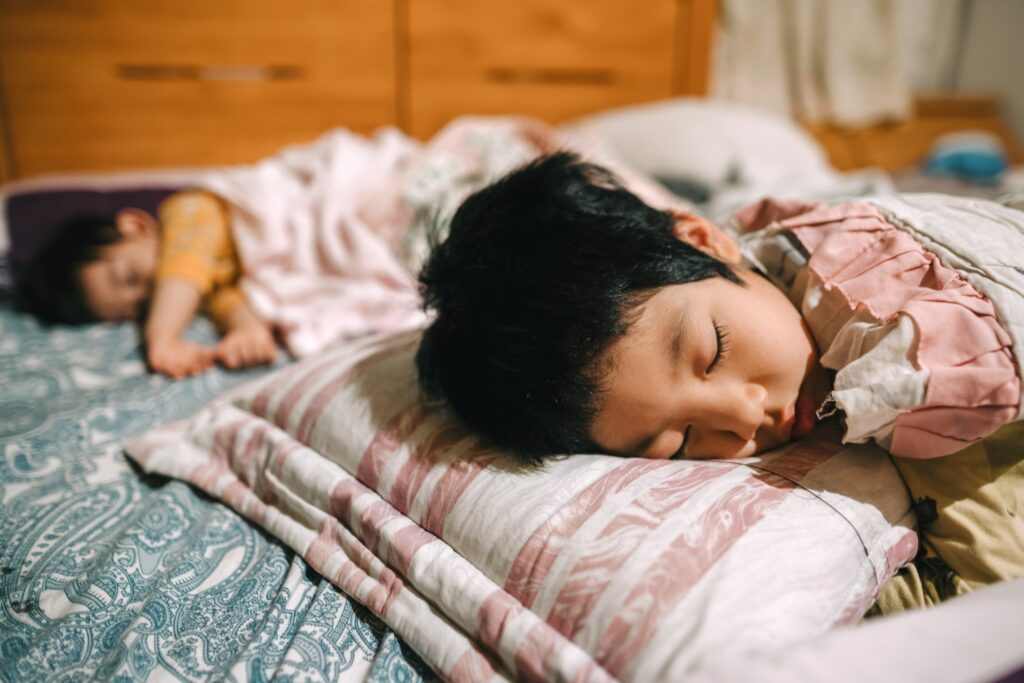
x=330, y=234
x=312, y=227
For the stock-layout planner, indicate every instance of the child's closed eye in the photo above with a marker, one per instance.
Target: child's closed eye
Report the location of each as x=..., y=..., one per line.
x=680, y=453
x=721, y=346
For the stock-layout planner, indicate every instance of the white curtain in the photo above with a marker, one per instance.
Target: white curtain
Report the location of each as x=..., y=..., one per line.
x=844, y=62
x=934, y=33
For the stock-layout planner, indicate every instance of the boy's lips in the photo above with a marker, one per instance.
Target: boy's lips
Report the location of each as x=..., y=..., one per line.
x=804, y=416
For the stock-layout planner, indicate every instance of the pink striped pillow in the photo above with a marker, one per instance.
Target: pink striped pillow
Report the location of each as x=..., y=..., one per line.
x=594, y=568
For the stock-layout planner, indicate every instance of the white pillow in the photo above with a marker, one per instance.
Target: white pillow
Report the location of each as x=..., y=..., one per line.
x=707, y=140
x=595, y=568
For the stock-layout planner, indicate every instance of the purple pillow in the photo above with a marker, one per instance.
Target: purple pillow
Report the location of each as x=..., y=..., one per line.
x=33, y=216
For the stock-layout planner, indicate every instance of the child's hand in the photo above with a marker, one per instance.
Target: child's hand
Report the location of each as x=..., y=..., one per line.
x=246, y=346
x=178, y=358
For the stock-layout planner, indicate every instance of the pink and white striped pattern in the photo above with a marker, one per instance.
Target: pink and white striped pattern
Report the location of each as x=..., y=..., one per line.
x=594, y=568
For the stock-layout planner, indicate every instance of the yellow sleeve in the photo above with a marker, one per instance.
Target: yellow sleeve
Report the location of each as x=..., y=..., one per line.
x=196, y=246
x=222, y=302
x=189, y=226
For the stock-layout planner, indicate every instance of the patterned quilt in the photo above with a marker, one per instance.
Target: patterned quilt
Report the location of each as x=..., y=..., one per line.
x=110, y=574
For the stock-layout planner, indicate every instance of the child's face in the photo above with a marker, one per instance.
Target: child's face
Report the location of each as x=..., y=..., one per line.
x=118, y=283
x=730, y=370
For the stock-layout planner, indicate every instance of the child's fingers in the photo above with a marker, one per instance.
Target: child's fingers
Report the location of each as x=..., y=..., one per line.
x=182, y=367
x=240, y=350
x=179, y=359
x=164, y=365
x=196, y=361
x=243, y=352
x=207, y=358
x=202, y=354
x=259, y=353
x=219, y=354
x=227, y=354
x=269, y=349
x=196, y=366
x=245, y=355
x=172, y=370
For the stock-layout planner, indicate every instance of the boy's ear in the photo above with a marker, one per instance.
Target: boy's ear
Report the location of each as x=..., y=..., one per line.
x=706, y=236
x=135, y=223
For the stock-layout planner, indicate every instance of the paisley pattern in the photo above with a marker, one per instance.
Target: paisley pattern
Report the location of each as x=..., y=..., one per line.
x=110, y=574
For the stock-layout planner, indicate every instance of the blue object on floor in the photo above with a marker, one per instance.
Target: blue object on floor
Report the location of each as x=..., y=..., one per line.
x=976, y=157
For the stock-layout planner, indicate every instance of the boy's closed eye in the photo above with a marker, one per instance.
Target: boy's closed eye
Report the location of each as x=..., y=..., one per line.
x=721, y=346
x=680, y=454
x=721, y=349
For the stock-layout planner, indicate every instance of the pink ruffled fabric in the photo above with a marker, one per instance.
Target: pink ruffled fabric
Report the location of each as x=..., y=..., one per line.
x=973, y=387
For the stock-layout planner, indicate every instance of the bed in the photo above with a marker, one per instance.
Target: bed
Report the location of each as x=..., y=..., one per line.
x=108, y=572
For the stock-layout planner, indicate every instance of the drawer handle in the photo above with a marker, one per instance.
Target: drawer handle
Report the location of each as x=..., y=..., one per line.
x=210, y=72
x=550, y=75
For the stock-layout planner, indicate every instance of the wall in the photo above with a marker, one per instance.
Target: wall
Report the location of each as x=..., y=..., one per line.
x=993, y=57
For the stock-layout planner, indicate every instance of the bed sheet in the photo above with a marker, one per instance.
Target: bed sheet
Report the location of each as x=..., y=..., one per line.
x=110, y=574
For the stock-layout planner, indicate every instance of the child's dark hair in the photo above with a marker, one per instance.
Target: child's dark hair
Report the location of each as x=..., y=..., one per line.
x=49, y=285
x=540, y=273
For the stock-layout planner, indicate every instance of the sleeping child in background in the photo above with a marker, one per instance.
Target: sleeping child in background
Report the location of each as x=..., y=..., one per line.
x=132, y=264
x=572, y=317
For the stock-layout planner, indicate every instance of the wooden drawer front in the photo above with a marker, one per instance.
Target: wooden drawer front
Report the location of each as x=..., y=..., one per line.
x=103, y=84
x=546, y=59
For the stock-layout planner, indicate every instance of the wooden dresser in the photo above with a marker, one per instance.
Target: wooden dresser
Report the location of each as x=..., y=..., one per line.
x=104, y=84
x=108, y=84
x=551, y=60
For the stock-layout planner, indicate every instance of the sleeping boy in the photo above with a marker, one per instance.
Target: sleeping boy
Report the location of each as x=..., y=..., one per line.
x=132, y=264
x=572, y=317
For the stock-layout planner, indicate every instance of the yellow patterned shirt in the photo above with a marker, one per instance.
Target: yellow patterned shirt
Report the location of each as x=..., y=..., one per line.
x=196, y=245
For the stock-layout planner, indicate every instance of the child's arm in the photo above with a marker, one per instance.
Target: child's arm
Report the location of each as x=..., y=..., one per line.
x=247, y=341
x=174, y=303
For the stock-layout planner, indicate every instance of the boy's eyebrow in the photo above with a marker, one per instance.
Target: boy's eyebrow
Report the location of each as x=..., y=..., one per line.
x=675, y=349
x=675, y=346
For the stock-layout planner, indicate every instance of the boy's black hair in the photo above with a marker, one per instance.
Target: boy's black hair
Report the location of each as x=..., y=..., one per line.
x=540, y=273
x=50, y=285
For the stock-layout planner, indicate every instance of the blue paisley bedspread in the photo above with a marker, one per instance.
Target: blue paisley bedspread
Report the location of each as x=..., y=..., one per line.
x=110, y=574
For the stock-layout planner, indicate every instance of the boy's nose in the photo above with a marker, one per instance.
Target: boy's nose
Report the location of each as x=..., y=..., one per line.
x=745, y=411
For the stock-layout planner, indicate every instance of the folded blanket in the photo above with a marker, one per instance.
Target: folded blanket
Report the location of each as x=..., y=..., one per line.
x=593, y=568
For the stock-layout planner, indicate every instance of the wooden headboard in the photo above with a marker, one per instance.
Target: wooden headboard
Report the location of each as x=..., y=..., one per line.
x=108, y=84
